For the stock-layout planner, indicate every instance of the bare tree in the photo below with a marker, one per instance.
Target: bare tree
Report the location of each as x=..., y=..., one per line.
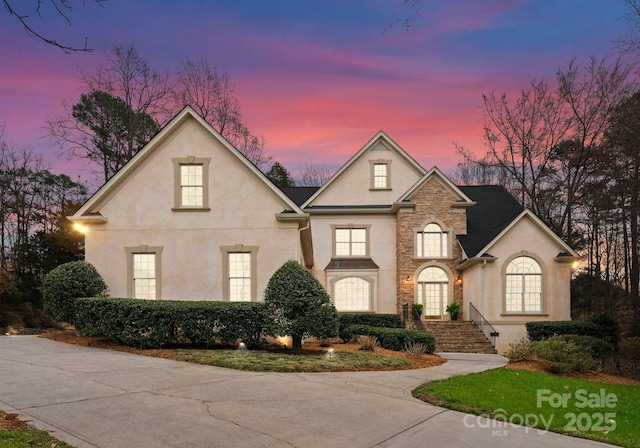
x=314, y=175
x=61, y=7
x=118, y=114
x=520, y=136
x=591, y=94
x=212, y=95
x=129, y=76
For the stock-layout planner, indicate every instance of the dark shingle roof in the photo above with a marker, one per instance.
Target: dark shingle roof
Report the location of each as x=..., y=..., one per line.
x=495, y=209
x=299, y=195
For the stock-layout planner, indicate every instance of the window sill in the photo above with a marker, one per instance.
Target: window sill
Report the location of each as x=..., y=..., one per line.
x=533, y=313
x=191, y=209
x=381, y=189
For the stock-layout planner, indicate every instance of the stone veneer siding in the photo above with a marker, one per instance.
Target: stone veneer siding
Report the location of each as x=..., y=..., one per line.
x=433, y=201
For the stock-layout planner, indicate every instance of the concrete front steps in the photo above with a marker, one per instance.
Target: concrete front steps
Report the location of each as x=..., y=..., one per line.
x=456, y=336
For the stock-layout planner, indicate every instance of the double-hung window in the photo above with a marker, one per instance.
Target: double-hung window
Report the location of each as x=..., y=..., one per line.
x=239, y=270
x=191, y=186
x=380, y=175
x=239, y=276
x=143, y=266
x=191, y=180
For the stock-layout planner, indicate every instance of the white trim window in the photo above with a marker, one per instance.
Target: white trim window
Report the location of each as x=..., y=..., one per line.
x=239, y=270
x=352, y=294
x=432, y=242
x=523, y=291
x=143, y=276
x=350, y=242
x=380, y=175
x=191, y=185
x=433, y=291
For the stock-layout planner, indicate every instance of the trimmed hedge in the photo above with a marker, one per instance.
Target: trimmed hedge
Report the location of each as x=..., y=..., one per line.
x=539, y=331
x=600, y=325
x=395, y=338
x=162, y=323
x=372, y=320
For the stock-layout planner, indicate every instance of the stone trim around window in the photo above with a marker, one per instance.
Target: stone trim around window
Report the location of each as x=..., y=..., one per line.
x=387, y=165
x=177, y=197
x=157, y=251
x=239, y=248
x=543, y=299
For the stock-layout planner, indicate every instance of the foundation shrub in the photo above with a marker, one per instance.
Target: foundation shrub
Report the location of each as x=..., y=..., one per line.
x=395, y=338
x=162, y=323
x=68, y=282
x=599, y=325
x=372, y=320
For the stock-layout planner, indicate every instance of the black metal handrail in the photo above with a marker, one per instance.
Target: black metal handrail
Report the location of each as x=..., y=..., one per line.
x=482, y=323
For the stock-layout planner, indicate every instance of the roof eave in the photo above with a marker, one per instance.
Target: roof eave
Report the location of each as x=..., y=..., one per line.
x=466, y=264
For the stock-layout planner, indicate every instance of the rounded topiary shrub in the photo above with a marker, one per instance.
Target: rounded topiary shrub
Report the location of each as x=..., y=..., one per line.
x=298, y=305
x=68, y=282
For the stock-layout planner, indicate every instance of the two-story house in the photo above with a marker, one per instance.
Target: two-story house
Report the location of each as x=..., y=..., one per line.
x=190, y=218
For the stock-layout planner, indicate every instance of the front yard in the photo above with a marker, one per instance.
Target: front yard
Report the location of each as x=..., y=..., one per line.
x=590, y=409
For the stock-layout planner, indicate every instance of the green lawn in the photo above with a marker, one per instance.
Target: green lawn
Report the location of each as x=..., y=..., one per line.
x=27, y=437
x=264, y=361
x=605, y=412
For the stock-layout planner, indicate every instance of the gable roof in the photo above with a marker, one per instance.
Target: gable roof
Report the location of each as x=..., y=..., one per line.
x=380, y=137
x=461, y=198
x=495, y=209
x=495, y=213
x=90, y=210
x=299, y=195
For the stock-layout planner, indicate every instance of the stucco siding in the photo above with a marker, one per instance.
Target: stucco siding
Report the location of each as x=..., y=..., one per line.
x=353, y=186
x=382, y=246
x=524, y=238
x=242, y=212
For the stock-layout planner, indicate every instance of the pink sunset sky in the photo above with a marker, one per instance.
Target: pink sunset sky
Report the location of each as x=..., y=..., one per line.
x=317, y=79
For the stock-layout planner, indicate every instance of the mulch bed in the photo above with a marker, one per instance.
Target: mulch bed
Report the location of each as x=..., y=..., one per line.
x=536, y=366
x=70, y=337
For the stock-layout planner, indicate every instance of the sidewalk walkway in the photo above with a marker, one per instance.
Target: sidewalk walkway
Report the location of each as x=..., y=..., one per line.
x=99, y=398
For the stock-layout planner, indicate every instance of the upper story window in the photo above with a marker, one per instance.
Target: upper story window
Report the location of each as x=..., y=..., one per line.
x=351, y=242
x=380, y=174
x=432, y=242
x=523, y=288
x=191, y=184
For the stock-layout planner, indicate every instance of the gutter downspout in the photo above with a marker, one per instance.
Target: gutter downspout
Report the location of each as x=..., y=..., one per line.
x=484, y=263
x=300, y=229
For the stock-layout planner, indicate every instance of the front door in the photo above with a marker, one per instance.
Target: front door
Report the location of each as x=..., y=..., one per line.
x=433, y=292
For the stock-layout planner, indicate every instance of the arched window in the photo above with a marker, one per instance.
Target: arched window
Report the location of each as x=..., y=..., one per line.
x=433, y=290
x=352, y=294
x=432, y=241
x=523, y=286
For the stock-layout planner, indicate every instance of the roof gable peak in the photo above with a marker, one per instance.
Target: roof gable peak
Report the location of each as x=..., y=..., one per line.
x=379, y=142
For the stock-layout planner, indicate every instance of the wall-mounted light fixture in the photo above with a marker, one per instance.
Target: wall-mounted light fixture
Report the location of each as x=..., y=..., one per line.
x=80, y=227
x=459, y=278
x=409, y=279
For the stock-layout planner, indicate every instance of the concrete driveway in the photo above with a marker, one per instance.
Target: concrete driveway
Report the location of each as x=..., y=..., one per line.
x=98, y=398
